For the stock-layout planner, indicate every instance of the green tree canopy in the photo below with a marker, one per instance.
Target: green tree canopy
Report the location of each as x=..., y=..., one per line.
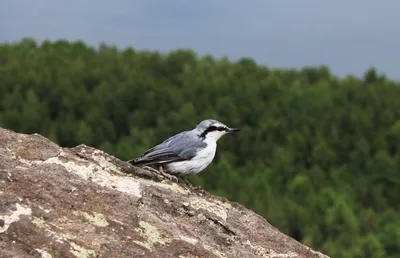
x=318, y=156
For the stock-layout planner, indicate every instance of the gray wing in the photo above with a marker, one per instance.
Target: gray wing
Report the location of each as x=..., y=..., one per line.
x=182, y=146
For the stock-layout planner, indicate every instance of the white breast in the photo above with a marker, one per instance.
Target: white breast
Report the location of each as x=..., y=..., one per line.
x=203, y=158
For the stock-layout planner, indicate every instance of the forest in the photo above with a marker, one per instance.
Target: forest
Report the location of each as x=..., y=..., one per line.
x=318, y=155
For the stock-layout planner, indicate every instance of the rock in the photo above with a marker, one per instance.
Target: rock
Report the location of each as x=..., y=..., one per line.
x=82, y=202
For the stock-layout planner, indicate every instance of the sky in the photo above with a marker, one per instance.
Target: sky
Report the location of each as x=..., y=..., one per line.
x=347, y=36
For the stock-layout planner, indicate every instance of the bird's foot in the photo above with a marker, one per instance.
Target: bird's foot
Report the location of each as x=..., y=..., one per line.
x=162, y=173
x=169, y=176
x=151, y=169
x=186, y=182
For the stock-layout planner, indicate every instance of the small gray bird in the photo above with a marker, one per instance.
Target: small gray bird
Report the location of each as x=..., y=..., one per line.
x=185, y=153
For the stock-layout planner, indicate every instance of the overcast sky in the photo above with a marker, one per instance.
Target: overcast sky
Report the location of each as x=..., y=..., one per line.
x=348, y=36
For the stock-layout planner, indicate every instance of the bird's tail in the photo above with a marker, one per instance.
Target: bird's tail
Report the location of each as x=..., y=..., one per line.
x=137, y=161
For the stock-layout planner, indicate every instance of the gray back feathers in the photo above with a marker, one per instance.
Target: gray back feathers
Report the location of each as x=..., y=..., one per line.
x=184, y=144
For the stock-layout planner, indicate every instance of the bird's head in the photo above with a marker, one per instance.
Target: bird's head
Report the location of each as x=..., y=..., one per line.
x=213, y=129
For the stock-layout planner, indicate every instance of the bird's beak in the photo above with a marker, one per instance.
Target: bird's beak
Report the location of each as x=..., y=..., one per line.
x=233, y=130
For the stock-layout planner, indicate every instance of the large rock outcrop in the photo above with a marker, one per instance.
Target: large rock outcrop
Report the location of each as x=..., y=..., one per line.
x=81, y=202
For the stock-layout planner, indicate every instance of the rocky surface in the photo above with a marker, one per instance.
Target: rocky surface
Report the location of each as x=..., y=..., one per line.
x=81, y=202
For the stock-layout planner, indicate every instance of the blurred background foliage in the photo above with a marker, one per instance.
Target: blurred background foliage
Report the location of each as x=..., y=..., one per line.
x=318, y=156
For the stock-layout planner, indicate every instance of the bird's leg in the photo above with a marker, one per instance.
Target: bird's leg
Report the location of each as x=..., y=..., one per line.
x=151, y=169
x=169, y=176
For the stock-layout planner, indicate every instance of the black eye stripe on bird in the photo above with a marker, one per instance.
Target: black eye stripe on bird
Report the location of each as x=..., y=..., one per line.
x=185, y=153
x=213, y=129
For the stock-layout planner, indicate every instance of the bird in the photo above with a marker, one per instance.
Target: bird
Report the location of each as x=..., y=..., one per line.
x=185, y=153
